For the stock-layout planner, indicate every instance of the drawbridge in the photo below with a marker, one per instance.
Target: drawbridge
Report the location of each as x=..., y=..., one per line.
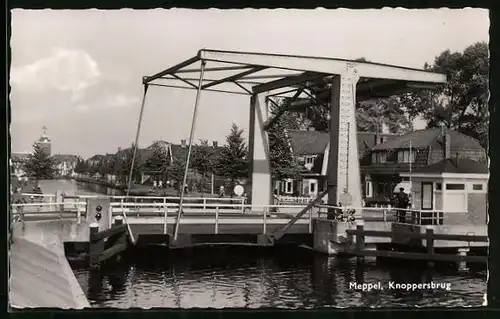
x=264, y=78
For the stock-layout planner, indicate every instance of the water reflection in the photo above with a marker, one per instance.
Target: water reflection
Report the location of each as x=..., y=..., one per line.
x=247, y=278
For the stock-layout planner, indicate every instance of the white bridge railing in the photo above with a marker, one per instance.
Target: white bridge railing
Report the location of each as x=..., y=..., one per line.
x=42, y=206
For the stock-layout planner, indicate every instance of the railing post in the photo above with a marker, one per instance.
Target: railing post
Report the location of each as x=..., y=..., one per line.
x=264, y=227
x=78, y=214
x=136, y=207
x=429, y=239
x=310, y=219
x=110, y=216
x=216, y=219
x=204, y=205
x=360, y=242
x=165, y=216
x=121, y=207
x=384, y=212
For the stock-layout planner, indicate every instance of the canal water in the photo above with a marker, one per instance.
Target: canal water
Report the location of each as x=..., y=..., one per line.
x=224, y=277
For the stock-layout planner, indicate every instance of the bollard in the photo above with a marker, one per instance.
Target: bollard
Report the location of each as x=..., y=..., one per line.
x=118, y=220
x=94, y=247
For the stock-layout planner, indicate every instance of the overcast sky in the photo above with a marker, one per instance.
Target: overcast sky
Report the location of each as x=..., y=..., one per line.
x=79, y=72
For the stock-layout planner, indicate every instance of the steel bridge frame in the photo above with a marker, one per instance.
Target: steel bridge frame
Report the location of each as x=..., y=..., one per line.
x=348, y=81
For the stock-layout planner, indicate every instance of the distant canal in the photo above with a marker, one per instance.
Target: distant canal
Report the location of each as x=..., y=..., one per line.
x=72, y=187
x=254, y=278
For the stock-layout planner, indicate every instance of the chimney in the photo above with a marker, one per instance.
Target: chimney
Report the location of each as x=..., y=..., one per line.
x=214, y=144
x=183, y=143
x=447, y=145
x=119, y=149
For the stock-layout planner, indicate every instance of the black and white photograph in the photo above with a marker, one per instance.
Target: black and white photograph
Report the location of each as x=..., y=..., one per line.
x=250, y=158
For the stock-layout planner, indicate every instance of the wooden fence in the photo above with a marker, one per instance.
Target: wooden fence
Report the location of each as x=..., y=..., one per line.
x=359, y=250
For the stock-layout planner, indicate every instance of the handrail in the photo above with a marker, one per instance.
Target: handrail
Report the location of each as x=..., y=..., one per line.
x=208, y=205
x=387, y=208
x=48, y=204
x=229, y=199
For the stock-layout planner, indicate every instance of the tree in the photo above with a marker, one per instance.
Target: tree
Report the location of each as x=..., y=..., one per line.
x=81, y=167
x=158, y=161
x=124, y=164
x=176, y=170
x=282, y=160
x=390, y=113
x=462, y=102
x=372, y=116
x=40, y=165
x=201, y=159
x=232, y=160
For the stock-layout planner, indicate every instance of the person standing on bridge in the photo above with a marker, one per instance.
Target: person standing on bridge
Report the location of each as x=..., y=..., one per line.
x=222, y=191
x=402, y=204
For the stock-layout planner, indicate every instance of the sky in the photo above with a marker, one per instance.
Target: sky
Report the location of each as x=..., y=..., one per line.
x=79, y=72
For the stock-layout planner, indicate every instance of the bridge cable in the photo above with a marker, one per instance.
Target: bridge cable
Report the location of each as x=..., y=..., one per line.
x=143, y=102
x=191, y=136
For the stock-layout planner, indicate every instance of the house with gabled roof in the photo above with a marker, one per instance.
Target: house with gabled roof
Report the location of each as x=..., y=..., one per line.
x=309, y=148
x=385, y=159
x=392, y=161
x=455, y=184
x=65, y=164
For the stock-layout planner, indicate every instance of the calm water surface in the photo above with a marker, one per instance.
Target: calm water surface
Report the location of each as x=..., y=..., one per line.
x=238, y=277
x=253, y=278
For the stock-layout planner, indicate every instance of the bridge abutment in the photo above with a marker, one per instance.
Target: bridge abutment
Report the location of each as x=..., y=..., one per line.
x=330, y=237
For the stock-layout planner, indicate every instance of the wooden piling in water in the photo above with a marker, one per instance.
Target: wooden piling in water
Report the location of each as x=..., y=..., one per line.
x=96, y=246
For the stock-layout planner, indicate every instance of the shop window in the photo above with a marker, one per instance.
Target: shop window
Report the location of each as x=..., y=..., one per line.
x=455, y=187
x=477, y=187
x=427, y=196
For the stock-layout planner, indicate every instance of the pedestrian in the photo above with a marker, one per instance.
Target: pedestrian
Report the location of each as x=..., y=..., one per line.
x=160, y=184
x=402, y=204
x=154, y=184
x=222, y=191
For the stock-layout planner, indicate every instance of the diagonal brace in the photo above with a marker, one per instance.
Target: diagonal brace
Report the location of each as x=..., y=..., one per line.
x=282, y=110
x=280, y=233
x=233, y=77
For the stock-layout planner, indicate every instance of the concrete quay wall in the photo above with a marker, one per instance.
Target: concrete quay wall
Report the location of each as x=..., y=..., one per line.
x=40, y=275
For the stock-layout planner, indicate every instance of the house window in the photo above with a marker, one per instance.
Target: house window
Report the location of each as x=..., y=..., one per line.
x=288, y=186
x=455, y=187
x=477, y=187
x=309, y=160
x=368, y=189
x=313, y=187
x=439, y=186
x=382, y=157
x=405, y=156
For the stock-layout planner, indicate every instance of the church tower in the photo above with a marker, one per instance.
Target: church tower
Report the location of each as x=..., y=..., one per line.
x=44, y=141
